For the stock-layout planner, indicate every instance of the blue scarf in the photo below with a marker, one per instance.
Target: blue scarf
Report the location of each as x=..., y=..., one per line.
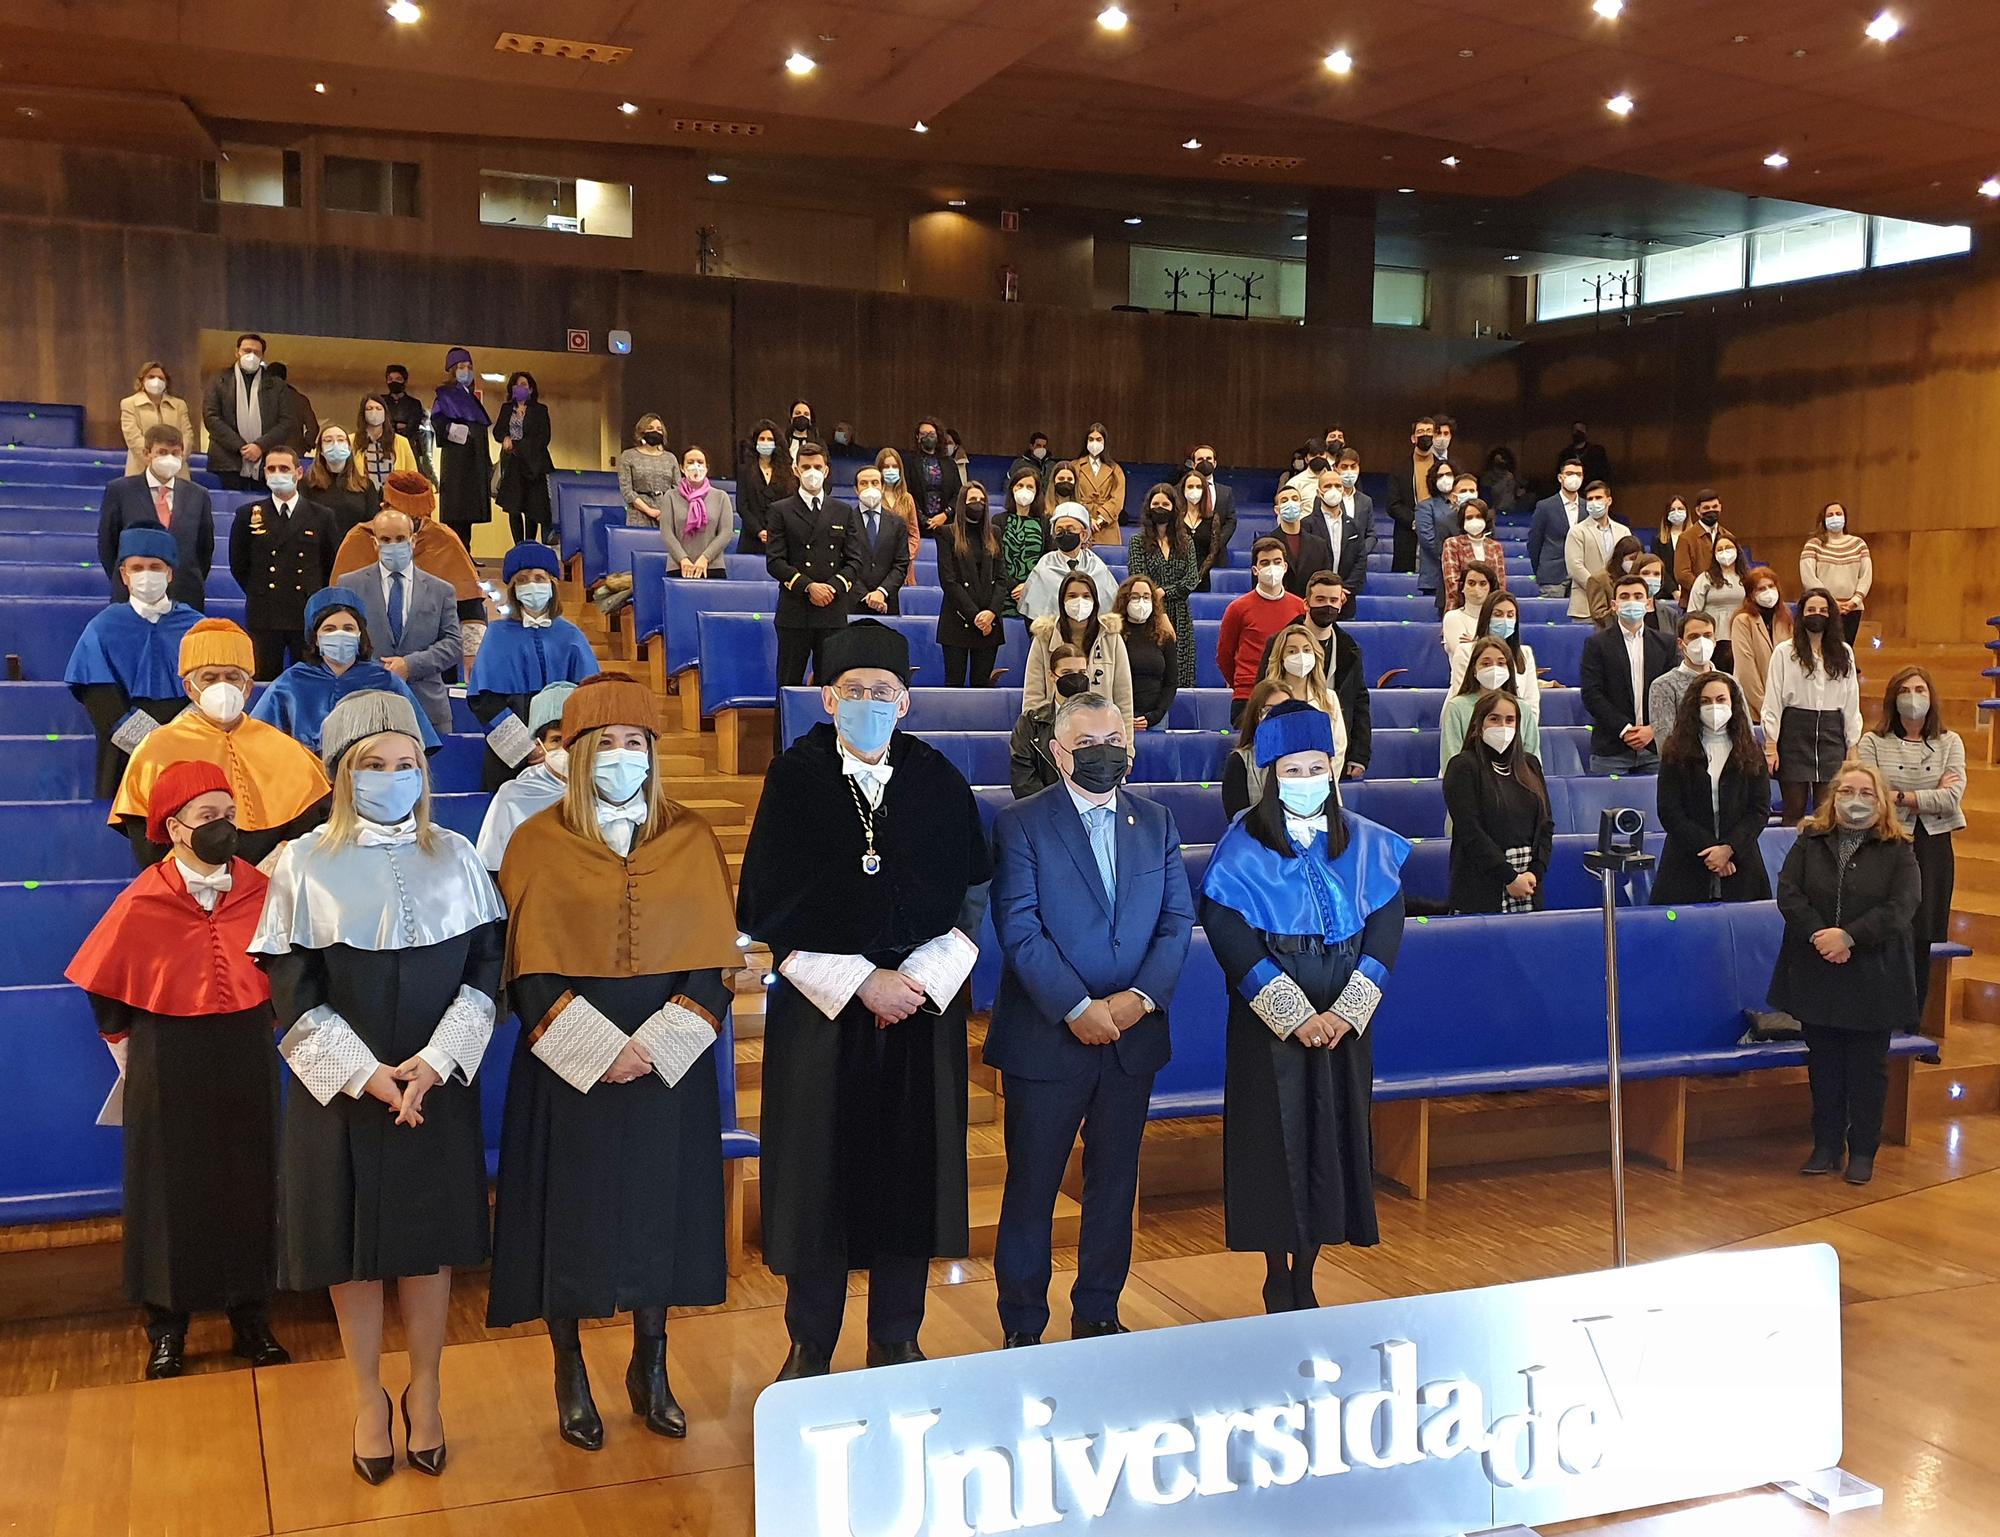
x=1310, y=896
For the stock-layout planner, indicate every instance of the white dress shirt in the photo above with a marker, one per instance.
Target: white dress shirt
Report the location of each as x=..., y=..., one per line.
x=1635, y=656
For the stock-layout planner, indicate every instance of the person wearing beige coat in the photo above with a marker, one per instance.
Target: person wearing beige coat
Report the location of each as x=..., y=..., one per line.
x=146, y=408
x=1105, y=663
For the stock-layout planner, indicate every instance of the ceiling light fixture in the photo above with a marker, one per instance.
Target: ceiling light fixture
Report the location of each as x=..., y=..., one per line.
x=1451, y=161
x=1621, y=104
x=800, y=64
x=957, y=202
x=319, y=88
x=921, y=127
x=1777, y=160
x=494, y=378
x=716, y=178
x=629, y=108
x=1510, y=258
x=1406, y=189
x=1191, y=144
x=1608, y=9
x=1112, y=19
x=1135, y=220
x=407, y=12
x=1884, y=27
x=1339, y=62
x=1298, y=237
x=1990, y=187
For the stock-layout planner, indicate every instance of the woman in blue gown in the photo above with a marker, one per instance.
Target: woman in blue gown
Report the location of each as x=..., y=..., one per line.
x=524, y=652
x=337, y=663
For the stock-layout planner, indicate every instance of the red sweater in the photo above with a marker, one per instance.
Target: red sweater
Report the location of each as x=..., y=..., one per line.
x=1248, y=626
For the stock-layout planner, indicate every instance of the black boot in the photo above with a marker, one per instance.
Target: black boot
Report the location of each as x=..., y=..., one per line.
x=167, y=1357
x=1277, y=1283
x=646, y=1377
x=576, y=1412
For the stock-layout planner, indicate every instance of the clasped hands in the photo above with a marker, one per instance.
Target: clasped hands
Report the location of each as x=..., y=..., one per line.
x=1720, y=859
x=1325, y=1029
x=890, y=996
x=1108, y=1018
x=403, y=1088
x=1834, y=946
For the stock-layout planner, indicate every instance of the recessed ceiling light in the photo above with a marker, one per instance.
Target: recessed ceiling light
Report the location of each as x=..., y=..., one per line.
x=629, y=108
x=1466, y=53
x=1510, y=258
x=1135, y=220
x=1406, y=189
x=35, y=112
x=957, y=202
x=1450, y=160
x=1298, y=237
x=1191, y=144
x=1798, y=53
x=716, y=178
x=1777, y=160
x=1884, y=27
x=494, y=378
x=1990, y=187
x=1620, y=104
x=1112, y=19
x=1608, y=9
x=408, y=12
x=1339, y=62
x=920, y=127
x=1741, y=37
x=799, y=64
x=319, y=88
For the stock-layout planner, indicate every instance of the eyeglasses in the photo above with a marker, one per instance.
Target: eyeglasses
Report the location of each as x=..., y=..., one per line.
x=881, y=693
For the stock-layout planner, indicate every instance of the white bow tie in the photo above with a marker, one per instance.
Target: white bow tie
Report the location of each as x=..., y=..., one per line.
x=536, y=624
x=633, y=811
x=221, y=881
x=373, y=835
x=1301, y=829
x=874, y=777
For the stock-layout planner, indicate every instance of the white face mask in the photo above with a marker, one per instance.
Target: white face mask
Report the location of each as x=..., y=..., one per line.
x=1331, y=496
x=812, y=480
x=1079, y=609
x=148, y=586
x=250, y=362
x=1835, y=523
x=1272, y=576
x=1139, y=610
x=1195, y=495
x=1714, y=717
x=1725, y=558
x=1441, y=444
x=1460, y=498
x=220, y=702
x=1571, y=482
x=696, y=471
x=1348, y=478
x=1677, y=516
x=1767, y=597
x=1491, y=675
x=1476, y=527
x=1700, y=649
x=1497, y=738
x=534, y=596
x=375, y=416
x=156, y=387
x=1299, y=664
x=556, y=761
x=870, y=497
x=1024, y=496
x=167, y=466
x=1096, y=447
x=1596, y=508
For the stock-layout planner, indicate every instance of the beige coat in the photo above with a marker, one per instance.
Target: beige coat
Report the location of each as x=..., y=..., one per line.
x=1100, y=486
x=1110, y=670
x=138, y=414
x=1753, y=647
x=1583, y=554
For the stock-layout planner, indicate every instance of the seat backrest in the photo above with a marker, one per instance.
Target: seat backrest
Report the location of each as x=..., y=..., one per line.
x=1412, y=807
x=61, y=841
x=738, y=657
x=56, y=1164
x=43, y=923
x=981, y=756
x=682, y=602
x=1197, y=808
x=1565, y=750
x=1591, y=796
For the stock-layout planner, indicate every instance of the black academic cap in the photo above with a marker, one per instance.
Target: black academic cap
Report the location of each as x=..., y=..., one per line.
x=864, y=643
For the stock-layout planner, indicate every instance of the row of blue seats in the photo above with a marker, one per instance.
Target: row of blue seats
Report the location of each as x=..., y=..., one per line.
x=41, y=424
x=44, y=633
x=52, y=767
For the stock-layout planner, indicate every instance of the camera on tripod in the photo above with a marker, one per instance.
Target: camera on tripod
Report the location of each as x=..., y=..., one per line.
x=1621, y=841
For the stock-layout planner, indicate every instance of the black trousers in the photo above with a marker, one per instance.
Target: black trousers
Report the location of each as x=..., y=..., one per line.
x=1849, y=1074
x=1798, y=798
x=795, y=649
x=238, y=482
x=815, y=1301
x=967, y=668
x=1850, y=624
x=1403, y=548
x=530, y=525
x=275, y=650
x=162, y=1322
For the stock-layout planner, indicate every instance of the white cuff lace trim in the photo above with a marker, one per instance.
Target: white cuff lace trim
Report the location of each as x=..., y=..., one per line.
x=1357, y=1002
x=133, y=730
x=580, y=1045
x=462, y=1035
x=1282, y=1004
x=941, y=966
x=675, y=1038
x=510, y=740
x=326, y=1055
x=827, y=982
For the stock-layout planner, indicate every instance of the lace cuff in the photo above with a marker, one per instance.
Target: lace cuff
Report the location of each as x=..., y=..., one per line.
x=941, y=966
x=510, y=740
x=470, y=634
x=1358, y=1001
x=326, y=1055
x=133, y=730
x=1282, y=1004
x=827, y=982
x=675, y=1037
x=463, y=1032
x=577, y=1043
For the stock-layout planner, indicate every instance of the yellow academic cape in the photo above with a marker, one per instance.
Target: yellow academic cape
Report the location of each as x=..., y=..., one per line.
x=271, y=776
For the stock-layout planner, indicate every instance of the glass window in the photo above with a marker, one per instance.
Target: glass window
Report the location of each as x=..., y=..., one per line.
x=260, y=175
x=1713, y=267
x=1586, y=290
x=1169, y=278
x=572, y=206
x=1401, y=296
x=369, y=186
x=1905, y=240
x=1814, y=250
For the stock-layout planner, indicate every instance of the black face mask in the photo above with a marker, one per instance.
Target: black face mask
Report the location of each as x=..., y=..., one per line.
x=652, y=439
x=1423, y=442
x=1323, y=614
x=1710, y=519
x=213, y=843
x=1070, y=684
x=1068, y=541
x=1206, y=466
x=1815, y=623
x=927, y=441
x=1160, y=515
x=1095, y=770
x=1316, y=464
x=975, y=512
x=1065, y=489
x=396, y=386
x=801, y=425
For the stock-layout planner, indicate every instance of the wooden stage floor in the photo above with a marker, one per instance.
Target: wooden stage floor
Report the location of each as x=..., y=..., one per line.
x=226, y=1452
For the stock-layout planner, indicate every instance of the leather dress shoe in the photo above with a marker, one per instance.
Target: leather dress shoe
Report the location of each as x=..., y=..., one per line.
x=255, y=1343
x=804, y=1361
x=1096, y=1331
x=168, y=1357
x=901, y=1354
x=1020, y=1341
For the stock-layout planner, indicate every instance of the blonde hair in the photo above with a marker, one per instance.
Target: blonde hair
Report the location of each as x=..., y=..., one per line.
x=579, y=801
x=1318, y=690
x=1887, y=826
x=343, y=821
x=139, y=382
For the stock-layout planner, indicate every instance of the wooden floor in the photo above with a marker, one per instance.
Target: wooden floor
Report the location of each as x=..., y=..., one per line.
x=85, y=1450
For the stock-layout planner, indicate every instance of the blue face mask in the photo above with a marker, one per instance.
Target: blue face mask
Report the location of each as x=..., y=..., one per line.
x=866, y=724
x=336, y=455
x=396, y=557
x=620, y=773
x=1631, y=611
x=1653, y=585
x=892, y=476
x=1501, y=626
x=1306, y=797
x=281, y=484
x=339, y=648
x=386, y=796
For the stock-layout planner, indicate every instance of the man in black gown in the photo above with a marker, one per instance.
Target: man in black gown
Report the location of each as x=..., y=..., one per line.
x=866, y=874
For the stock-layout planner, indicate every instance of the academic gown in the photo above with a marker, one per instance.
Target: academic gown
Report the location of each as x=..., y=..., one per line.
x=863, y=1128
x=1297, y=1152
x=123, y=663
x=531, y=790
x=386, y=938
x=516, y=662
x=279, y=787
x=201, y=1091
x=611, y=1199
x=298, y=701
x=465, y=470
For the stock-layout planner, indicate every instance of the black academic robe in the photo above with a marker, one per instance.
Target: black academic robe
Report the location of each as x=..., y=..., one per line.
x=863, y=1128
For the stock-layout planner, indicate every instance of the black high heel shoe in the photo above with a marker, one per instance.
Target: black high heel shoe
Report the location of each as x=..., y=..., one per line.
x=577, y=1419
x=646, y=1378
x=376, y=1470
x=430, y=1461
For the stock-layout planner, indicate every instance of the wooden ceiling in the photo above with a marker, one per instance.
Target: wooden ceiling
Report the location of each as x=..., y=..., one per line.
x=1514, y=88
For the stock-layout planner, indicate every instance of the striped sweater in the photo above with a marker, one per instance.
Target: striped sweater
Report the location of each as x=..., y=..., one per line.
x=1840, y=564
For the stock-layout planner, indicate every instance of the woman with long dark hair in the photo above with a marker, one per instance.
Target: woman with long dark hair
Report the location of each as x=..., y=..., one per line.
x=1303, y=906
x=1151, y=647
x=1100, y=486
x=1924, y=765
x=763, y=475
x=1812, y=705
x=1715, y=799
x=525, y=465
x=1024, y=533
x=1501, y=828
x=379, y=448
x=1489, y=666
x=974, y=578
x=1167, y=554
x=1839, y=561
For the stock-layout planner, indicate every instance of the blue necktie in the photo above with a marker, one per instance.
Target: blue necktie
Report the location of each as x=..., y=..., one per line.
x=872, y=526
x=1104, y=844
x=396, y=608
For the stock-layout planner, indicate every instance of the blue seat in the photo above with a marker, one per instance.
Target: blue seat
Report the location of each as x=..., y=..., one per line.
x=56, y=1164
x=35, y=709
x=1197, y=808
x=1591, y=796
x=649, y=593
x=737, y=655
x=568, y=491
x=456, y=765
x=61, y=841
x=1412, y=807
x=43, y=923
x=462, y=811
x=682, y=602
x=981, y=756
x=47, y=767
x=43, y=634
x=41, y=424
x=65, y=549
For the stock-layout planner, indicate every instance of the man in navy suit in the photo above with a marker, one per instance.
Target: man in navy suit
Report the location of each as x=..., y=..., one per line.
x=881, y=547
x=157, y=495
x=1548, y=530
x=1091, y=903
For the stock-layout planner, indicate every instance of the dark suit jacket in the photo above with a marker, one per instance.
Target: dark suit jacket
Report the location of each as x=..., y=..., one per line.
x=1607, y=682
x=972, y=585
x=1063, y=941
x=886, y=563
x=280, y=563
x=432, y=642
x=1404, y=493
x=1222, y=532
x=1314, y=556
x=1695, y=818
x=276, y=401
x=804, y=549
x=530, y=456
x=1355, y=542
x=129, y=500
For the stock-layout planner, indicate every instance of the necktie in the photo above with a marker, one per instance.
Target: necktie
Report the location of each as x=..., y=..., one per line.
x=872, y=525
x=163, y=505
x=396, y=608
x=1103, y=843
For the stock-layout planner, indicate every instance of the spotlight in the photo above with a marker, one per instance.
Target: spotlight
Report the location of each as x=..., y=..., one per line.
x=1620, y=104
x=1135, y=219
x=799, y=64
x=1777, y=160
x=407, y=12
x=957, y=202
x=1608, y=9
x=1451, y=161
x=319, y=88
x=629, y=108
x=921, y=127
x=1884, y=27
x=1339, y=62
x=1990, y=187
x=716, y=178
x=1298, y=237
x=1191, y=144
x=1406, y=189
x=1510, y=258
x=1112, y=19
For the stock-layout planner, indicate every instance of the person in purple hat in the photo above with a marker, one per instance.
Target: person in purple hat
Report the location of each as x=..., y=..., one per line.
x=465, y=460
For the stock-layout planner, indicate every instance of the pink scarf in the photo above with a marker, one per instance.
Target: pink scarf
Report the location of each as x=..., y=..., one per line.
x=697, y=500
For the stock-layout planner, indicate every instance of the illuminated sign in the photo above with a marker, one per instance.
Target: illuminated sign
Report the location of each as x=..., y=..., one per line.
x=1412, y=1417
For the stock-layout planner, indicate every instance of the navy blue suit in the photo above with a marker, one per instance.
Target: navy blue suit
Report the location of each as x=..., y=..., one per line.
x=1065, y=942
x=129, y=500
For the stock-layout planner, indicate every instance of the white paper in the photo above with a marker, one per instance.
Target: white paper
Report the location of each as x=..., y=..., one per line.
x=458, y=432
x=112, y=1112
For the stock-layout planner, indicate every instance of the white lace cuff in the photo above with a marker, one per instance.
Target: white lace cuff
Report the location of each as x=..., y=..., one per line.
x=827, y=982
x=941, y=966
x=675, y=1038
x=326, y=1055
x=1357, y=1002
x=510, y=740
x=1281, y=1003
x=470, y=634
x=578, y=1044
x=463, y=1032
x=133, y=730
